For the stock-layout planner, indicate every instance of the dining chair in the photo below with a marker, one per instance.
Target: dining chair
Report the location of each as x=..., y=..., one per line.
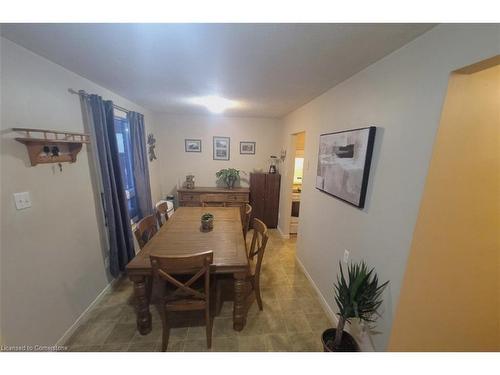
x=145, y=229
x=184, y=296
x=162, y=209
x=212, y=200
x=255, y=257
x=246, y=212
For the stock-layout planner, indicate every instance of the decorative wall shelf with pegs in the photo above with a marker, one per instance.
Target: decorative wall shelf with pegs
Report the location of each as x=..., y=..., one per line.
x=51, y=146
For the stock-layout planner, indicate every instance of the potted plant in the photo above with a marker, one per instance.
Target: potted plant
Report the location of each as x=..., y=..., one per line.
x=207, y=222
x=229, y=176
x=358, y=297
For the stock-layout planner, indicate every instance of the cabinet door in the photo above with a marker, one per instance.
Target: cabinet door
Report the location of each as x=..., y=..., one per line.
x=272, y=194
x=257, y=195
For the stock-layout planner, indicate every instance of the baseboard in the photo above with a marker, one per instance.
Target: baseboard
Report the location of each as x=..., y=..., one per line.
x=69, y=332
x=364, y=341
x=283, y=235
x=326, y=308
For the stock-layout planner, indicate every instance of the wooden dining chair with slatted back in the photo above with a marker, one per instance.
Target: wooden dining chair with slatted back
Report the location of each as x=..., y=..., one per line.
x=145, y=229
x=212, y=200
x=162, y=210
x=255, y=257
x=183, y=295
x=247, y=212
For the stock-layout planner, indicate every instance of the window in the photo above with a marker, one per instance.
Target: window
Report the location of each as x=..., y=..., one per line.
x=125, y=155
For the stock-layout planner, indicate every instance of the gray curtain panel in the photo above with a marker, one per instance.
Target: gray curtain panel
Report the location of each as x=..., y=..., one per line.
x=140, y=163
x=121, y=243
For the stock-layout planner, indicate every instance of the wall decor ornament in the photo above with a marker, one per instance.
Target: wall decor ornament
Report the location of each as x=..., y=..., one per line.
x=344, y=164
x=247, y=148
x=192, y=145
x=221, y=148
x=151, y=147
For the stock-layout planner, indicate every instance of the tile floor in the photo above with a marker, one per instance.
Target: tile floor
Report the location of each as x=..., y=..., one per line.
x=292, y=320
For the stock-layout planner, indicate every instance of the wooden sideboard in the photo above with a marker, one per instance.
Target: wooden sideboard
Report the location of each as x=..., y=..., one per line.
x=228, y=197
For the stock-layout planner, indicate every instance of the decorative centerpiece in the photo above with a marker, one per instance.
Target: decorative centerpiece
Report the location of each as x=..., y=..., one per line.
x=357, y=298
x=207, y=222
x=190, y=181
x=229, y=176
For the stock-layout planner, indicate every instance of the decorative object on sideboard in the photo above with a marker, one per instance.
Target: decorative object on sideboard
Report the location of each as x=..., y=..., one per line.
x=51, y=146
x=229, y=176
x=189, y=182
x=192, y=145
x=222, y=147
x=358, y=297
x=151, y=147
x=344, y=164
x=247, y=148
x=207, y=222
x=273, y=168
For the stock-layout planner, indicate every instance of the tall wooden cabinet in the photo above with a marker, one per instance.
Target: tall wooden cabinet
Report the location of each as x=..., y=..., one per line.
x=265, y=197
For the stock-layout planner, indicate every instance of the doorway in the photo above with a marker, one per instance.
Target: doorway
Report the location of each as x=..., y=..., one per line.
x=297, y=180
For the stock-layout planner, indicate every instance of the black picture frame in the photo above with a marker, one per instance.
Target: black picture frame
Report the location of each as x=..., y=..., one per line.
x=246, y=143
x=187, y=149
x=217, y=147
x=346, y=150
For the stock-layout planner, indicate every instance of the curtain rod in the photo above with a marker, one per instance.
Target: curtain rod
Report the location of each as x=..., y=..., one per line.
x=85, y=93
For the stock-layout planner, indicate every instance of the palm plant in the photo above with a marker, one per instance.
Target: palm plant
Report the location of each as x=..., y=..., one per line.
x=358, y=297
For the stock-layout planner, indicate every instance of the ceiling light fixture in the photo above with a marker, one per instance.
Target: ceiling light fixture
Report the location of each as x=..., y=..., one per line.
x=214, y=103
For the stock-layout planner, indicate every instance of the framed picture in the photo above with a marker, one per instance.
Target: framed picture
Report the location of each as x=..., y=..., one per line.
x=192, y=145
x=221, y=148
x=247, y=148
x=344, y=164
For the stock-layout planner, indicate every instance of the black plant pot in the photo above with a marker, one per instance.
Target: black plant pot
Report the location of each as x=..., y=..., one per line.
x=348, y=343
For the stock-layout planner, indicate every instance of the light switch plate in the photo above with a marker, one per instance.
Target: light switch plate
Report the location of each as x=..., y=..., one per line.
x=346, y=256
x=23, y=200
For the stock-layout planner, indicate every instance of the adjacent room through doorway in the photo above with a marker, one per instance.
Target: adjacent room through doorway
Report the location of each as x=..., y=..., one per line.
x=299, y=141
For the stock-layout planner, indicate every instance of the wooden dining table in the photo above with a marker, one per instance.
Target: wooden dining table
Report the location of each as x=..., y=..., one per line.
x=182, y=235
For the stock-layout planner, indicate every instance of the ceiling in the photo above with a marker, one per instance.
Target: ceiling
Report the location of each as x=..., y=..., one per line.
x=271, y=69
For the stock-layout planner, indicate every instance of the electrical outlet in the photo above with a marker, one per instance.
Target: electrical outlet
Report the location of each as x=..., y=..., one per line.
x=346, y=256
x=22, y=200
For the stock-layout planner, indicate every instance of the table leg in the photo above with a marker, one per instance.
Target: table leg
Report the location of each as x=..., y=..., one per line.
x=142, y=303
x=239, y=310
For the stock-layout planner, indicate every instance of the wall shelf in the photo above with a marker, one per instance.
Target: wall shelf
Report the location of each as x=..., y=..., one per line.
x=51, y=146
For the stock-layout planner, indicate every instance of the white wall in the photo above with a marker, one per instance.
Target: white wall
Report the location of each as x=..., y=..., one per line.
x=402, y=95
x=52, y=261
x=172, y=130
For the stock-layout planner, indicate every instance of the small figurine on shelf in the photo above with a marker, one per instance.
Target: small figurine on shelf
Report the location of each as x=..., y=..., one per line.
x=55, y=151
x=190, y=181
x=45, y=152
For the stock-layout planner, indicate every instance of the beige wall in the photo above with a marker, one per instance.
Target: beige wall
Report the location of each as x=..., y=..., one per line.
x=52, y=261
x=450, y=297
x=176, y=163
x=402, y=95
